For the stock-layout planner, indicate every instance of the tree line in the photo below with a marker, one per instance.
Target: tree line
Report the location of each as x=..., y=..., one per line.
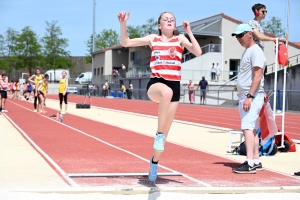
x=25, y=50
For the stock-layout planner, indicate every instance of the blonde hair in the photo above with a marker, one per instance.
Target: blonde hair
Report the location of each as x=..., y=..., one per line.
x=159, y=18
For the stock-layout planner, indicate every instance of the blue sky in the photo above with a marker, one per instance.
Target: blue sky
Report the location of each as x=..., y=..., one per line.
x=75, y=17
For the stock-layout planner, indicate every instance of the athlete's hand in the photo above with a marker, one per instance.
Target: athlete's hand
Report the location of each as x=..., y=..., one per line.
x=187, y=27
x=247, y=104
x=123, y=17
x=64, y=94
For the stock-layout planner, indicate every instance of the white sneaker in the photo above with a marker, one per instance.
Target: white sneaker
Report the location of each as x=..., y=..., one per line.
x=5, y=110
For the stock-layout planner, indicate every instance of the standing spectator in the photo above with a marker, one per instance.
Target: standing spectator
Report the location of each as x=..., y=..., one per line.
x=250, y=86
x=203, y=84
x=130, y=91
x=3, y=92
x=124, y=90
x=21, y=90
x=218, y=72
x=213, y=72
x=107, y=89
x=104, y=89
x=191, y=92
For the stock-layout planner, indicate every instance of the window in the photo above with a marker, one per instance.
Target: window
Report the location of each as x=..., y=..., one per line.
x=81, y=75
x=95, y=71
x=102, y=71
x=98, y=71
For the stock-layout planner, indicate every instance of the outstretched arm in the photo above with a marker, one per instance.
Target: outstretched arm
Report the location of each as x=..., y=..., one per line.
x=192, y=46
x=125, y=40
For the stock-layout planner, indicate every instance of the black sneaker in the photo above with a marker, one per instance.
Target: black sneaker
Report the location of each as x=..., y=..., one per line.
x=297, y=173
x=244, y=168
x=258, y=167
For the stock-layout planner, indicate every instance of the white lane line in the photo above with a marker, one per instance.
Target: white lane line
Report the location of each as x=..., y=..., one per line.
x=190, y=123
x=60, y=170
x=80, y=175
x=133, y=154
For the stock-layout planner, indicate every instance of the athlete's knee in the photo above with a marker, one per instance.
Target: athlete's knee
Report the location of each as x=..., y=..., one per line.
x=167, y=94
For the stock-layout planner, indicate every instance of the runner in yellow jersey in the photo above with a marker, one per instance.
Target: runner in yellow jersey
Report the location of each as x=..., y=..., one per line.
x=37, y=78
x=42, y=90
x=63, y=94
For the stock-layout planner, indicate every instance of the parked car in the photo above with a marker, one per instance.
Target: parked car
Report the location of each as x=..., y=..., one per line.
x=56, y=75
x=85, y=77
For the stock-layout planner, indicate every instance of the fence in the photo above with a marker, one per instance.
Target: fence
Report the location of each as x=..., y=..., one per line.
x=294, y=60
x=224, y=97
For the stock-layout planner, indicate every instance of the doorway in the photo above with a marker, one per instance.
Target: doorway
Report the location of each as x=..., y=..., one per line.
x=234, y=67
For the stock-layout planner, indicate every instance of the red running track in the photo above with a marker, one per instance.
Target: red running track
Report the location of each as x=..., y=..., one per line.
x=76, y=152
x=208, y=115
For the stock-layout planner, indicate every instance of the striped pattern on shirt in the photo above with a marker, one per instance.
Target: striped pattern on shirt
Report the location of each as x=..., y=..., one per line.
x=165, y=59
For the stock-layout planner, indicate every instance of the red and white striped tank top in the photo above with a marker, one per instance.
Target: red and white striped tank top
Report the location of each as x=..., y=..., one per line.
x=165, y=59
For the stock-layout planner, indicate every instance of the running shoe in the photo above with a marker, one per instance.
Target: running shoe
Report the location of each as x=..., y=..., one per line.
x=4, y=110
x=297, y=173
x=258, y=167
x=153, y=171
x=244, y=168
x=159, y=142
x=63, y=112
x=35, y=110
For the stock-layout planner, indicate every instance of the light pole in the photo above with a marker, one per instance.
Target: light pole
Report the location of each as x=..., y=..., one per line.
x=94, y=19
x=222, y=38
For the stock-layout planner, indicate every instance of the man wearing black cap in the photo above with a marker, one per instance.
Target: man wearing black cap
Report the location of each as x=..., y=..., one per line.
x=250, y=86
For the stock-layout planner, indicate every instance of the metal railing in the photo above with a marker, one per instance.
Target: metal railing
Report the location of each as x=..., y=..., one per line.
x=294, y=60
x=205, y=49
x=214, y=96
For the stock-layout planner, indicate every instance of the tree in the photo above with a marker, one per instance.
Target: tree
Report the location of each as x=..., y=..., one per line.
x=7, y=44
x=274, y=26
x=27, y=50
x=54, y=48
x=134, y=31
x=104, y=39
x=150, y=27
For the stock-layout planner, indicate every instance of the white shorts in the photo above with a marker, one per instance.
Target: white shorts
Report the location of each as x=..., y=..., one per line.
x=249, y=120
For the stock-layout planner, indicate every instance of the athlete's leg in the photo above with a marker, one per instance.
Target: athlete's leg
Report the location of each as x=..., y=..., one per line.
x=168, y=122
x=66, y=101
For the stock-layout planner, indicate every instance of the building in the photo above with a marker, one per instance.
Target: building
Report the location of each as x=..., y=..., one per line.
x=218, y=46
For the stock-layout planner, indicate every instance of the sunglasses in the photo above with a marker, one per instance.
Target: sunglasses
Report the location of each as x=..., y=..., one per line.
x=241, y=34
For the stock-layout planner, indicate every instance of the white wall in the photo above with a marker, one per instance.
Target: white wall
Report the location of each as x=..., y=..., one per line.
x=200, y=66
x=108, y=64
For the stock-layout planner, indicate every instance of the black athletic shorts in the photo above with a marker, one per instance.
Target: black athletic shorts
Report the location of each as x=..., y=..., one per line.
x=174, y=85
x=39, y=92
x=3, y=94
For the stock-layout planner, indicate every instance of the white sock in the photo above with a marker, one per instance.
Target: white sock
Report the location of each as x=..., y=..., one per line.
x=256, y=161
x=250, y=162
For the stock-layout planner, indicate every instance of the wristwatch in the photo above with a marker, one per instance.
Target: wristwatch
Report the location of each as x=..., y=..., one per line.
x=250, y=96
